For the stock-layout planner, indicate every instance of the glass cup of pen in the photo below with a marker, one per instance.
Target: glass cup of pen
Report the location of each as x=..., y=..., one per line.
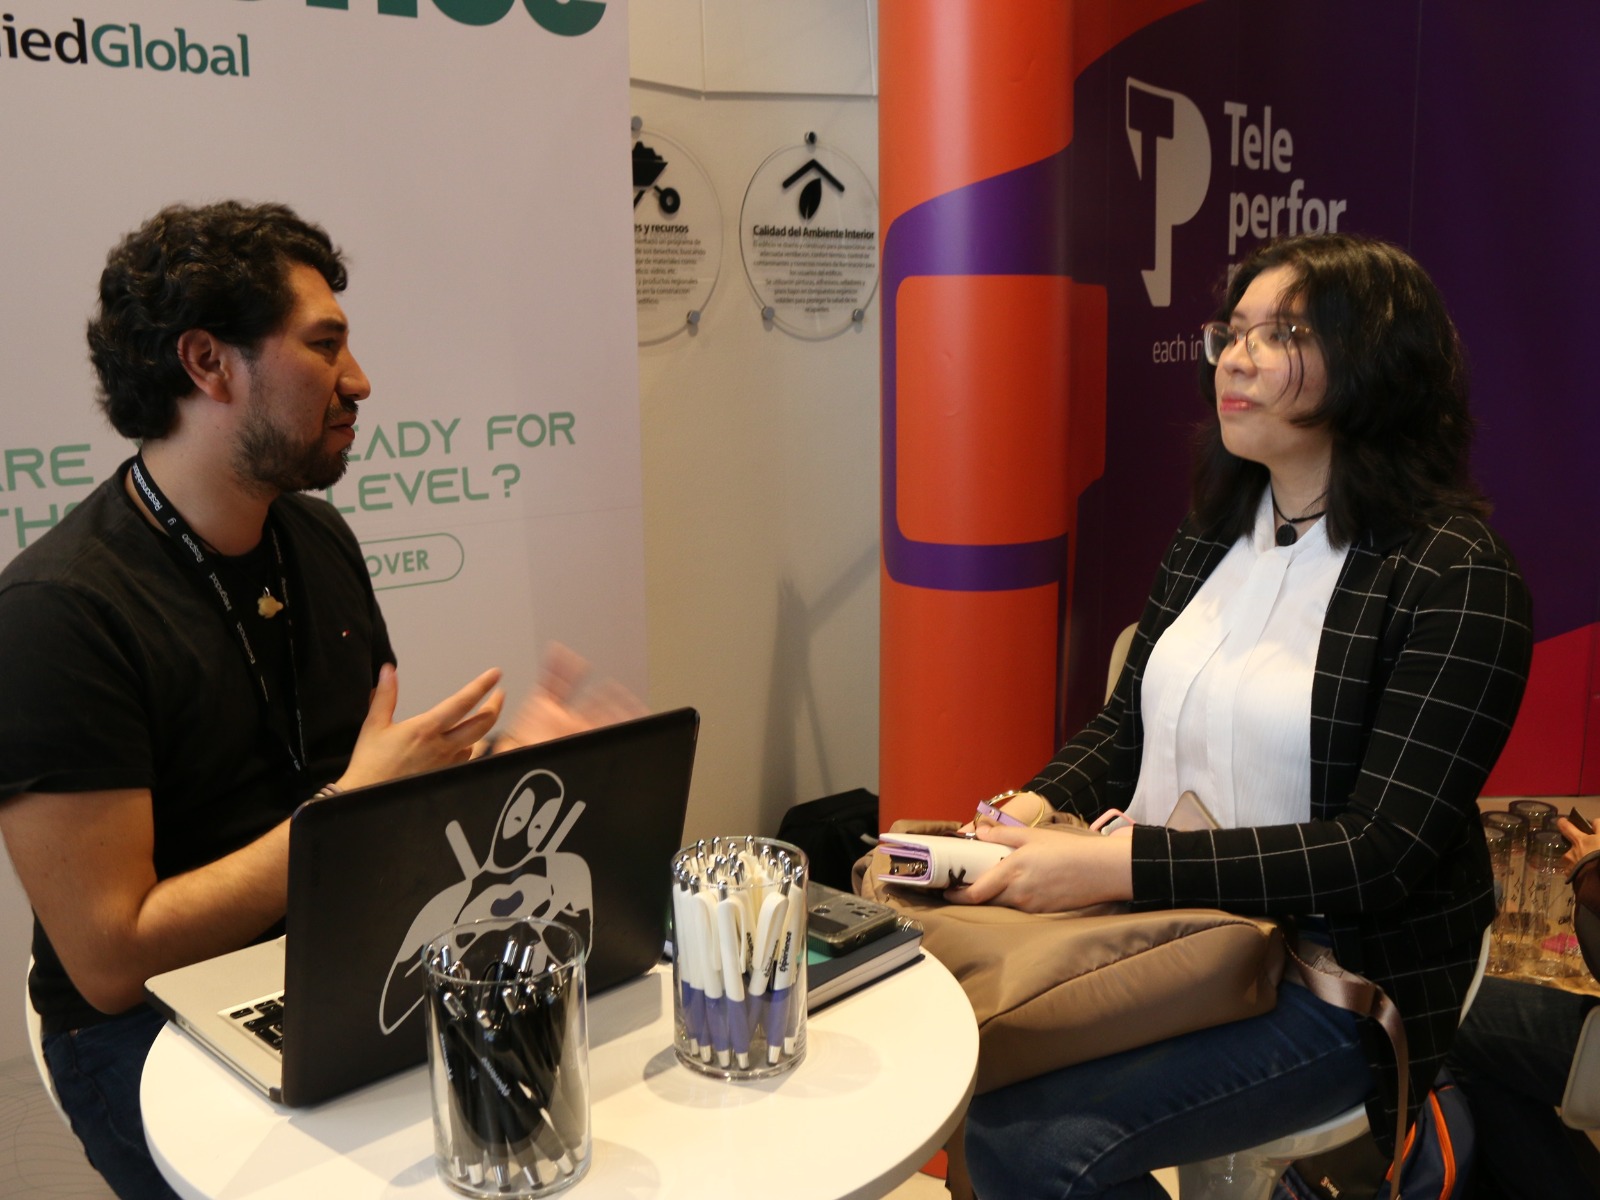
x=508, y=1056
x=739, y=967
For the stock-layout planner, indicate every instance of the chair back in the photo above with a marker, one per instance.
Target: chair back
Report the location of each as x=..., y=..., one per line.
x=1580, y=1106
x=36, y=1040
x=1477, y=977
x=1119, y=655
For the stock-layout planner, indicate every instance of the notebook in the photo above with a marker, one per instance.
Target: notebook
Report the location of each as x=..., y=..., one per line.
x=830, y=977
x=583, y=827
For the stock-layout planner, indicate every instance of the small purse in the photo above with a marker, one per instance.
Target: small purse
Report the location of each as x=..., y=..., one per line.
x=935, y=861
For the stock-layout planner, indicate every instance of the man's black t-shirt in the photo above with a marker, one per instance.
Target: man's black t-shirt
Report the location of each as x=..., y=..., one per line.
x=117, y=671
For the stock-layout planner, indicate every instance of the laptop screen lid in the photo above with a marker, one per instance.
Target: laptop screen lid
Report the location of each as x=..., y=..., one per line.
x=583, y=827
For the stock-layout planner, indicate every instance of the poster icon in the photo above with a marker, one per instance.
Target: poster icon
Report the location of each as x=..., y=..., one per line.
x=677, y=249
x=811, y=194
x=647, y=168
x=808, y=232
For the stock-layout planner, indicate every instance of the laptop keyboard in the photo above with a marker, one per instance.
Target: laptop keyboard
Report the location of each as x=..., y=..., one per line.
x=263, y=1018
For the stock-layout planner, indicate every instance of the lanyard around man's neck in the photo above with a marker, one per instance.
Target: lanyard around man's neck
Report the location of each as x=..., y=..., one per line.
x=200, y=555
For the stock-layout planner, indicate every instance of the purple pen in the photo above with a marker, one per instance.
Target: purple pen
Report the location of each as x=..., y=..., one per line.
x=777, y=1023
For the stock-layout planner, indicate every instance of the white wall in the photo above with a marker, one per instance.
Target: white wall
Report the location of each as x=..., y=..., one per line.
x=761, y=450
x=16, y=938
x=761, y=501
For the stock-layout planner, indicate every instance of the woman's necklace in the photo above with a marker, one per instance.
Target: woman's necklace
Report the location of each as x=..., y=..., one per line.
x=1287, y=533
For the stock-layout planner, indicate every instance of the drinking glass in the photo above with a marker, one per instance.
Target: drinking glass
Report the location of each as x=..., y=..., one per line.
x=1503, y=937
x=1549, y=905
x=1513, y=908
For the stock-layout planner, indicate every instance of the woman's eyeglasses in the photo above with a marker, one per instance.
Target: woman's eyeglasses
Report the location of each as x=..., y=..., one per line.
x=1268, y=344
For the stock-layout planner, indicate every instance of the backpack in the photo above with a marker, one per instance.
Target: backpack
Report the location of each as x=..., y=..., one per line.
x=1438, y=1158
x=829, y=830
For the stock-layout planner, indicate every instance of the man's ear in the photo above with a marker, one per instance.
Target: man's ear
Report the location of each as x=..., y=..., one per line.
x=210, y=362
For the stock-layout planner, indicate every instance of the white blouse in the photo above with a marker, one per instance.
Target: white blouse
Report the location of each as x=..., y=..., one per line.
x=1226, y=696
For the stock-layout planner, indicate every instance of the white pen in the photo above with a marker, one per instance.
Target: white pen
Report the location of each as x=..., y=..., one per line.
x=688, y=969
x=700, y=956
x=788, y=964
x=711, y=960
x=731, y=942
x=768, y=926
x=760, y=885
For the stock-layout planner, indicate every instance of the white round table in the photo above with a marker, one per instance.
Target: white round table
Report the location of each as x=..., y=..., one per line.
x=887, y=1075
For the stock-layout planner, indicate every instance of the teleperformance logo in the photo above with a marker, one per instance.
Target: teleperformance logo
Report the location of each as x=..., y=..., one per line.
x=1171, y=147
x=124, y=47
x=1172, y=153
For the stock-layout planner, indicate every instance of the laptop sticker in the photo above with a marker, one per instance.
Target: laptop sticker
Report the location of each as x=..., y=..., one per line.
x=523, y=874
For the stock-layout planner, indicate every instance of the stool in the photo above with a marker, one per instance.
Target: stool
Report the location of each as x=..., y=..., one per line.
x=1252, y=1174
x=36, y=1043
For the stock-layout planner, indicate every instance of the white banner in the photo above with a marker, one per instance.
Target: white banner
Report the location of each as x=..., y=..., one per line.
x=470, y=157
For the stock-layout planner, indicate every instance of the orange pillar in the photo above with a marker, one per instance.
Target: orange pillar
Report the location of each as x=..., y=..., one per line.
x=974, y=116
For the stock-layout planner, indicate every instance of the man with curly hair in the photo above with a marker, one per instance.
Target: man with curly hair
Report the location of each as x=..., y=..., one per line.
x=196, y=648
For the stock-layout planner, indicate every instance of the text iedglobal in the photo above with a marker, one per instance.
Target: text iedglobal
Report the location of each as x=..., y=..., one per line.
x=124, y=46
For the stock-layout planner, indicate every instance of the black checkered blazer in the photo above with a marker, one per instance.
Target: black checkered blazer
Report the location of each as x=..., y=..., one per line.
x=1419, y=673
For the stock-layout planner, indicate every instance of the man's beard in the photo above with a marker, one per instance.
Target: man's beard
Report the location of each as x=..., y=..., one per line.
x=265, y=455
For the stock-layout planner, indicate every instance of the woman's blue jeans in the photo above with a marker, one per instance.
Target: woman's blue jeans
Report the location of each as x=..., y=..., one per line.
x=96, y=1072
x=1099, y=1128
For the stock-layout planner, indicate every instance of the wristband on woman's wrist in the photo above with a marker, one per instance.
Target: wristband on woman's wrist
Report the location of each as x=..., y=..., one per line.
x=326, y=790
x=992, y=811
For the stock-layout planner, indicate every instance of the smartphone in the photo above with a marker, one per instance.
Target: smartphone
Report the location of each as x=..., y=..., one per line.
x=1190, y=814
x=1582, y=822
x=838, y=922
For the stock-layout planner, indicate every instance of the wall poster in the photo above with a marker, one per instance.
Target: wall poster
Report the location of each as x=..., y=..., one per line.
x=677, y=235
x=808, y=232
x=494, y=481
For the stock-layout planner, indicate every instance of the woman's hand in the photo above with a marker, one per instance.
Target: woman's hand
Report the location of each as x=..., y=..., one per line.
x=1582, y=843
x=1051, y=871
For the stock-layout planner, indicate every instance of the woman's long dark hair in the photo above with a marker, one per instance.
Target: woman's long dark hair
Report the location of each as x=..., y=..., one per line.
x=1396, y=399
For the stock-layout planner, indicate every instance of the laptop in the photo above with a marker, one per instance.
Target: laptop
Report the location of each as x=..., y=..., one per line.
x=583, y=827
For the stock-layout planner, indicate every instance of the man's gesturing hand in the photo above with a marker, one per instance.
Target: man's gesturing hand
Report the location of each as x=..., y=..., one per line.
x=445, y=734
x=561, y=704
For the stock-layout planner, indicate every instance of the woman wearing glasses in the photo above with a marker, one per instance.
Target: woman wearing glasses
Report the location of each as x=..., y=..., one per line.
x=1331, y=659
